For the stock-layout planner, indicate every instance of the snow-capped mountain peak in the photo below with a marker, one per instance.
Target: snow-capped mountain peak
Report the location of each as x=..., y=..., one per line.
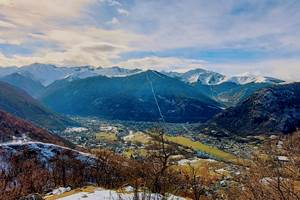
x=199, y=75
x=247, y=77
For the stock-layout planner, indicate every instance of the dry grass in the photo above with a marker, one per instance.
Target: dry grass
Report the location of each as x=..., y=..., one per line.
x=297, y=186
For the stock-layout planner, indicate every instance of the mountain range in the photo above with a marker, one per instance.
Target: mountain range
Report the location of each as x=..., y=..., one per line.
x=48, y=73
x=128, y=94
x=36, y=79
x=206, y=77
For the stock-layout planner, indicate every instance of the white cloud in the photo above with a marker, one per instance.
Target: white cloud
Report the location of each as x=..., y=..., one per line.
x=6, y=25
x=111, y=2
x=81, y=36
x=113, y=21
x=50, y=24
x=286, y=69
x=213, y=24
x=78, y=47
x=32, y=13
x=30, y=16
x=163, y=63
x=122, y=11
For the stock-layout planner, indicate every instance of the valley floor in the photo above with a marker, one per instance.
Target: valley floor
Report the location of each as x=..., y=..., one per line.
x=124, y=136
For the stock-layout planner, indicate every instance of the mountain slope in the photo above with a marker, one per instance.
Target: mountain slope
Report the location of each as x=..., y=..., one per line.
x=235, y=95
x=4, y=71
x=19, y=103
x=131, y=98
x=272, y=110
x=44, y=73
x=12, y=128
x=230, y=93
x=32, y=87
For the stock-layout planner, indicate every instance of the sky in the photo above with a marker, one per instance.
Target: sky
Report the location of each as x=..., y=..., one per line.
x=229, y=36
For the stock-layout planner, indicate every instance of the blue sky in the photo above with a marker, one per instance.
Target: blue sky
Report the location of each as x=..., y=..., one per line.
x=229, y=36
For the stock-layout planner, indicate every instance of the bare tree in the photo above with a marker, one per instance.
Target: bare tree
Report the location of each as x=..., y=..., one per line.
x=158, y=163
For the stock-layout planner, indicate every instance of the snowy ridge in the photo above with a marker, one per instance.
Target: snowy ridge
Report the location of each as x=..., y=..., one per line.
x=207, y=77
x=40, y=145
x=199, y=75
x=247, y=77
x=47, y=74
x=46, y=151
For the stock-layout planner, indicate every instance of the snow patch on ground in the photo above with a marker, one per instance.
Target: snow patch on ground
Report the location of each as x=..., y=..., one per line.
x=61, y=190
x=194, y=161
x=113, y=195
x=46, y=151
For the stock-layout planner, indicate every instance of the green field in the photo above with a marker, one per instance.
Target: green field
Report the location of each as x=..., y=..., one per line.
x=198, y=146
x=110, y=137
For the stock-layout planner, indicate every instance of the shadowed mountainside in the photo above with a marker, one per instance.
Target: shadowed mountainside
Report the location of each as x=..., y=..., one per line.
x=19, y=103
x=133, y=97
x=271, y=110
